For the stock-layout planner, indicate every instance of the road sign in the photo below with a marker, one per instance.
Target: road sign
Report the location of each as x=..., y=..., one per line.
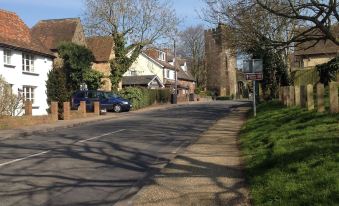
x=254, y=76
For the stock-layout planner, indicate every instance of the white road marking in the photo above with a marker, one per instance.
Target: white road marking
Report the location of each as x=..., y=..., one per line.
x=41, y=153
x=103, y=135
x=24, y=158
x=180, y=146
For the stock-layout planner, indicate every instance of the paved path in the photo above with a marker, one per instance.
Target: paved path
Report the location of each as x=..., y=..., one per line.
x=209, y=172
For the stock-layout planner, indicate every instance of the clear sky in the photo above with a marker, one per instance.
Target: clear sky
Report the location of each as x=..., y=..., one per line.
x=31, y=11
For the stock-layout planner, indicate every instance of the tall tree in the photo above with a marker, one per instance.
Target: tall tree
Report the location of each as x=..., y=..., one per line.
x=133, y=24
x=315, y=18
x=192, y=47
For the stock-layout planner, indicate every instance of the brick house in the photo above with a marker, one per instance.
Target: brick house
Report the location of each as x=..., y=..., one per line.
x=24, y=61
x=52, y=32
x=103, y=51
x=186, y=81
x=221, y=62
x=311, y=53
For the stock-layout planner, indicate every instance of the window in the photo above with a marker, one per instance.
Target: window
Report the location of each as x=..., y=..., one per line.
x=162, y=56
x=28, y=93
x=7, y=57
x=168, y=73
x=27, y=62
x=133, y=73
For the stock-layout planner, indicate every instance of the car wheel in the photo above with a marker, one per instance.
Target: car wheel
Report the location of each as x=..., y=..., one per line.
x=117, y=108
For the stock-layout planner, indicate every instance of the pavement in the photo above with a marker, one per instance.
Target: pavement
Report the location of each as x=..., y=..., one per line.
x=209, y=172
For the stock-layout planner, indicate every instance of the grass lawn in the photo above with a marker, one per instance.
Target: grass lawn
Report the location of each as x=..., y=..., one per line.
x=292, y=156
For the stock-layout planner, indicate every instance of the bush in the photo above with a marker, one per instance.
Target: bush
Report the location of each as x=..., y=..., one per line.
x=142, y=97
x=10, y=104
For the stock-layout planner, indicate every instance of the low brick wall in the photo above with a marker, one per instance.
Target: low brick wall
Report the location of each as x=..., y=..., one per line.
x=16, y=122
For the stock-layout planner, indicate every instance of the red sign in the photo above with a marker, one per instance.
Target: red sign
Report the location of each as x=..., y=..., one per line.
x=254, y=76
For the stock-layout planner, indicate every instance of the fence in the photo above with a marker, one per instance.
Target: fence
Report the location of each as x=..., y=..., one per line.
x=306, y=97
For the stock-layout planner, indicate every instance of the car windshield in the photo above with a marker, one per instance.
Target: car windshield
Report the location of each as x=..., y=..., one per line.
x=110, y=95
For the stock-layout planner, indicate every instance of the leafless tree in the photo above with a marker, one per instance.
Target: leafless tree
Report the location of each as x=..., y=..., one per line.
x=192, y=47
x=10, y=104
x=133, y=24
x=315, y=18
x=139, y=21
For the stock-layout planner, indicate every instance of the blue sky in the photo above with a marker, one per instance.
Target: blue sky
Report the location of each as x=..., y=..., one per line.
x=31, y=11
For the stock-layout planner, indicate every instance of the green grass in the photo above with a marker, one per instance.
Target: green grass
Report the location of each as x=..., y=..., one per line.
x=292, y=156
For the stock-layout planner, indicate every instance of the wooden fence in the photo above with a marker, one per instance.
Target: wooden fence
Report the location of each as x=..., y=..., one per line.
x=311, y=97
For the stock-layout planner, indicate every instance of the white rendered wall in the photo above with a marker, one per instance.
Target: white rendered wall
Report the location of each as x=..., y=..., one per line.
x=145, y=66
x=15, y=76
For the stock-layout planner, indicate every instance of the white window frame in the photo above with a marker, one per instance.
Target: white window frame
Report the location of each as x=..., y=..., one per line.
x=167, y=73
x=28, y=93
x=134, y=73
x=7, y=57
x=162, y=56
x=28, y=63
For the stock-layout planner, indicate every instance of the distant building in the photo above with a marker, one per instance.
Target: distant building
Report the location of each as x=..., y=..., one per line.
x=52, y=32
x=220, y=62
x=103, y=51
x=312, y=53
x=24, y=61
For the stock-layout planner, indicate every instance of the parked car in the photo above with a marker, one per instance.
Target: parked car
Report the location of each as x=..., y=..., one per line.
x=108, y=100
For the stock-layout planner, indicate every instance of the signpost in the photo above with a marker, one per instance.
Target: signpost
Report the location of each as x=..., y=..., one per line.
x=253, y=70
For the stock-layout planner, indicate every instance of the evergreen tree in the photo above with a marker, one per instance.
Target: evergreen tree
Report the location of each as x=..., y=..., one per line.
x=56, y=86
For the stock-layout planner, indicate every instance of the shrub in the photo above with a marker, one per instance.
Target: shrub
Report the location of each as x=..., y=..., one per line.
x=142, y=97
x=10, y=104
x=224, y=98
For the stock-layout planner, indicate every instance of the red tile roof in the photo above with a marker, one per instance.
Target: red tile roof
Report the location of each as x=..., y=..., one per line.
x=322, y=47
x=54, y=31
x=15, y=33
x=101, y=47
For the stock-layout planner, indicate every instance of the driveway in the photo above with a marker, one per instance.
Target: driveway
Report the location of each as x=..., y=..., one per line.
x=100, y=163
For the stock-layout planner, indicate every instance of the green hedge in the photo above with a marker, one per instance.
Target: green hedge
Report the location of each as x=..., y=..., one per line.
x=224, y=98
x=142, y=97
x=305, y=76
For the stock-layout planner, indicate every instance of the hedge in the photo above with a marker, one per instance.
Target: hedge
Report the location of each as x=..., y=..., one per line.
x=142, y=97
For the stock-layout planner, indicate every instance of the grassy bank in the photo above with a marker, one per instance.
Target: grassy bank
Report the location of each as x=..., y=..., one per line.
x=292, y=156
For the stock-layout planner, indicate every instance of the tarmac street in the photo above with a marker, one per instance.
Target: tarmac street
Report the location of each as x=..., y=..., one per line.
x=101, y=163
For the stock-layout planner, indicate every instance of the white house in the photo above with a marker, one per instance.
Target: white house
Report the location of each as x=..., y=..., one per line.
x=153, y=62
x=24, y=62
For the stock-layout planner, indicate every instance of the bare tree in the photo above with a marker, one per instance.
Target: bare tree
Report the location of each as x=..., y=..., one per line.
x=192, y=47
x=10, y=104
x=133, y=24
x=315, y=18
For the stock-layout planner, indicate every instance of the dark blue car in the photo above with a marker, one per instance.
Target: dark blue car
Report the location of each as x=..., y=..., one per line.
x=108, y=100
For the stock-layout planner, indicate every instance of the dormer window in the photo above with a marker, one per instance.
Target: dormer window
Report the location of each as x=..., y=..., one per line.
x=162, y=56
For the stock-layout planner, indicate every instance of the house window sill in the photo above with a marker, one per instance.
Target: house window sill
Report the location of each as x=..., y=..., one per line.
x=9, y=66
x=33, y=107
x=31, y=73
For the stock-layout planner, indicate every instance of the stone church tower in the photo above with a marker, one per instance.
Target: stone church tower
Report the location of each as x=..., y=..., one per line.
x=221, y=62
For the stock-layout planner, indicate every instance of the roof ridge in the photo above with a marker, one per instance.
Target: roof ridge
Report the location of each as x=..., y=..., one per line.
x=10, y=12
x=62, y=19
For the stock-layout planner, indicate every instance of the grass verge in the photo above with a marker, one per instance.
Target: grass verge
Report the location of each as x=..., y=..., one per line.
x=292, y=156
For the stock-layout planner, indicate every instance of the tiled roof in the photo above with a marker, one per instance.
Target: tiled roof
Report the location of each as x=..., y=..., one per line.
x=101, y=47
x=185, y=75
x=137, y=80
x=15, y=33
x=52, y=32
x=322, y=47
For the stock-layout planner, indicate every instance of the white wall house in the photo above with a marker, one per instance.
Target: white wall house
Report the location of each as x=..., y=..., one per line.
x=144, y=65
x=26, y=73
x=24, y=62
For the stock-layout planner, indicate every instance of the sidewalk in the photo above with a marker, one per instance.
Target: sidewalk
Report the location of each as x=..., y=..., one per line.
x=209, y=172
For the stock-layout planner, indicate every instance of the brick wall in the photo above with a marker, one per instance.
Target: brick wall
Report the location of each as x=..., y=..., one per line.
x=106, y=70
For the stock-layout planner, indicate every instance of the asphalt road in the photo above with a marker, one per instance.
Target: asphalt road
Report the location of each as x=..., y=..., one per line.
x=100, y=163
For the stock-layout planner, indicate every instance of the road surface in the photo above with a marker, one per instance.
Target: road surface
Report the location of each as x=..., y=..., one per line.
x=100, y=163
